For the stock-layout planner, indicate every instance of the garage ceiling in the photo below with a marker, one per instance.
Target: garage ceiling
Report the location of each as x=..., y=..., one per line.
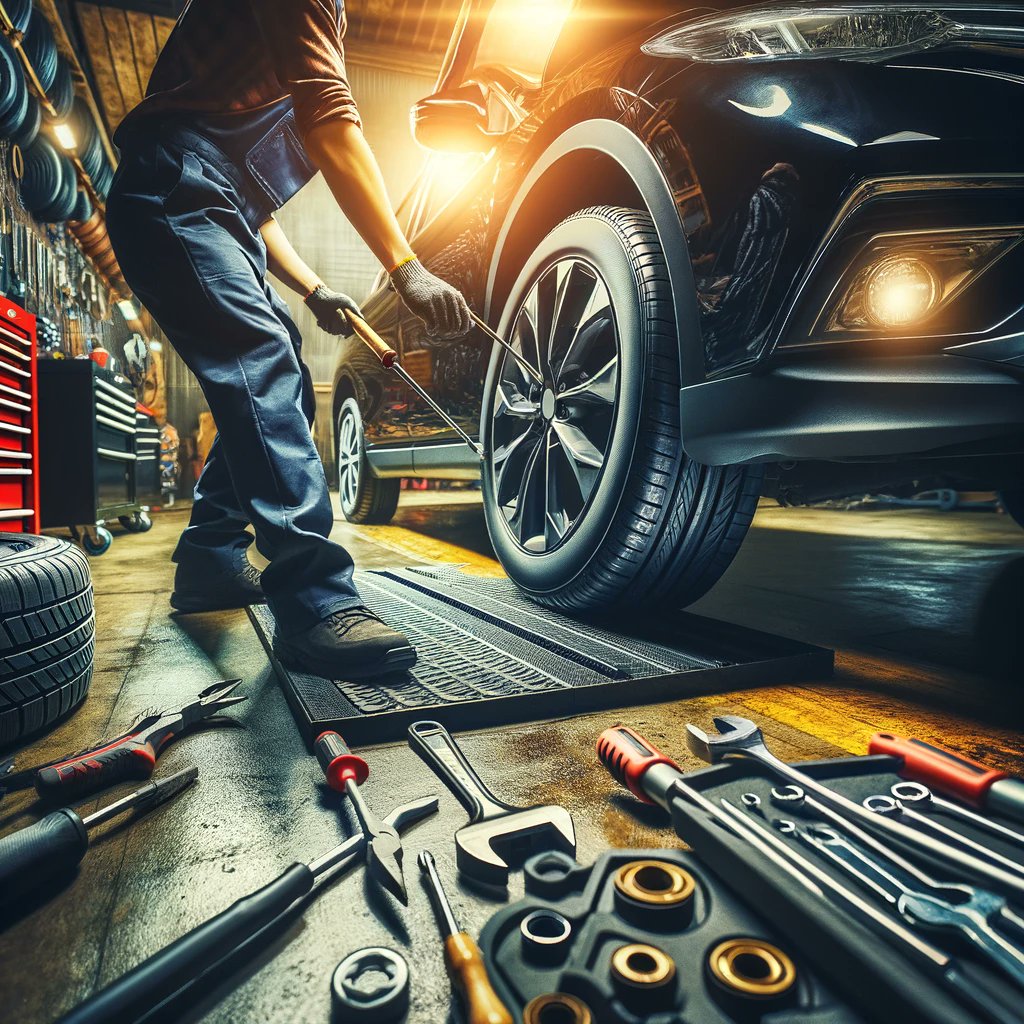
x=120, y=40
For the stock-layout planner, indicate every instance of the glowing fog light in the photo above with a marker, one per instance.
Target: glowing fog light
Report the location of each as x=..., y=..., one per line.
x=900, y=290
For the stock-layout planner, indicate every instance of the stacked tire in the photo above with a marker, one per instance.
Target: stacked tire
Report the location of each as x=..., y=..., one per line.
x=47, y=632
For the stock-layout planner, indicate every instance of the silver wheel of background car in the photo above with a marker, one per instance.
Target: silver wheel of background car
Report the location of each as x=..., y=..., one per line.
x=364, y=498
x=550, y=441
x=349, y=461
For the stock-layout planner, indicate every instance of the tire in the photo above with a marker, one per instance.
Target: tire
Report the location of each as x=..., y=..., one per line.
x=655, y=528
x=364, y=498
x=47, y=632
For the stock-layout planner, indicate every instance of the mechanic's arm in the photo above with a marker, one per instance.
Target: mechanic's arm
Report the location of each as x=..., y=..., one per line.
x=341, y=152
x=285, y=263
x=305, y=40
x=329, y=308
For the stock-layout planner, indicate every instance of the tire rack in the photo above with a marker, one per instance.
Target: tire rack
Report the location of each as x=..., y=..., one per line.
x=114, y=281
x=19, y=434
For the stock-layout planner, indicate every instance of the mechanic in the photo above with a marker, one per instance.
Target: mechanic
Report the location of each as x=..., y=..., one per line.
x=247, y=100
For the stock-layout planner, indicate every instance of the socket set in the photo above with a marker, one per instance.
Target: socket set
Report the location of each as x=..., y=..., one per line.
x=646, y=936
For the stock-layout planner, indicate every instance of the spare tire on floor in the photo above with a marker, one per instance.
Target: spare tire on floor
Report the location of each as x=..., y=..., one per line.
x=47, y=632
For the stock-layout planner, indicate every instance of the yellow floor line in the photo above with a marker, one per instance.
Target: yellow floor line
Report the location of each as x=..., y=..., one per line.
x=429, y=549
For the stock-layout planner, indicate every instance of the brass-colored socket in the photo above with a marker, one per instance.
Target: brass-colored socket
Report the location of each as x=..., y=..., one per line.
x=557, y=1008
x=752, y=968
x=656, y=883
x=641, y=966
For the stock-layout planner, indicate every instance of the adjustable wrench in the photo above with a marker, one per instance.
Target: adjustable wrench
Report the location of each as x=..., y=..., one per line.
x=741, y=738
x=971, y=914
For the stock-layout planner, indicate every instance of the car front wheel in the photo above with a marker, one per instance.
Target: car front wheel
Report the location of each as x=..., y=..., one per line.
x=589, y=498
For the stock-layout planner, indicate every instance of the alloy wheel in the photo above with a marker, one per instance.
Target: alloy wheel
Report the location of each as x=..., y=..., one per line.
x=349, y=462
x=550, y=442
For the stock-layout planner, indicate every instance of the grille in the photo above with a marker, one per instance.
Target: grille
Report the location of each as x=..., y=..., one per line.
x=488, y=656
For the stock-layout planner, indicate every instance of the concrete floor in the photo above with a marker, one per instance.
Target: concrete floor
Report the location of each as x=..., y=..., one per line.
x=899, y=594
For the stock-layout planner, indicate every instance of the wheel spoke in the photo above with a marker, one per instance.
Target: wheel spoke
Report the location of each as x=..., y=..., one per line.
x=585, y=460
x=577, y=285
x=527, y=521
x=504, y=460
x=516, y=404
x=594, y=324
x=601, y=389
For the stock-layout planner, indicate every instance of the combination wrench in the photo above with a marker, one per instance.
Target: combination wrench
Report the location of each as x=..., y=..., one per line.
x=893, y=807
x=793, y=795
x=919, y=796
x=969, y=911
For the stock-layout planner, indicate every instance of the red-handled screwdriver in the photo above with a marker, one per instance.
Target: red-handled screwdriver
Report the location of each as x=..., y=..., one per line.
x=634, y=762
x=346, y=772
x=953, y=774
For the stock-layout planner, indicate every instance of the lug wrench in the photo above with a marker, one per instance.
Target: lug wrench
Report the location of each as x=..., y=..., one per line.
x=389, y=360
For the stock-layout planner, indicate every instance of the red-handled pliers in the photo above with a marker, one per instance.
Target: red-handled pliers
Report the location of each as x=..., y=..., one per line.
x=131, y=755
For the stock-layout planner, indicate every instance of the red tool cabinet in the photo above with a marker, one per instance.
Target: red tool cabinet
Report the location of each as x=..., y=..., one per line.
x=19, y=436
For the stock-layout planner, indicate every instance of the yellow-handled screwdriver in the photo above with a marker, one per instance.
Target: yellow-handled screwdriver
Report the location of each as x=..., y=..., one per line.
x=462, y=956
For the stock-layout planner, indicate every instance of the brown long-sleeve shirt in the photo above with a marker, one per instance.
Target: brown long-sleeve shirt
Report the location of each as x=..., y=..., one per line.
x=228, y=56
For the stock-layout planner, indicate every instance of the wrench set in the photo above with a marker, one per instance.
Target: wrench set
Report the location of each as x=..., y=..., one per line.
x=907, y=902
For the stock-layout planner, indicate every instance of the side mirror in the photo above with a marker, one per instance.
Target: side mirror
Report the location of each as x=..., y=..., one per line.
x=453, y=122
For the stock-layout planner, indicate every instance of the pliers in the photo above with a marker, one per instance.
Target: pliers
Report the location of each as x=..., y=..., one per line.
x=132, y=755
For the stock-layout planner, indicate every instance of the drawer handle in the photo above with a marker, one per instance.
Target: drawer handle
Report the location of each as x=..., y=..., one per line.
x=107, y=453
x=115, y=425
x=16, y=513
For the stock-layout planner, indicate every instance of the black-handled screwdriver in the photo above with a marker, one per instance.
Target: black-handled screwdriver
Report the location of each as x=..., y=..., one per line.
x=56, y=843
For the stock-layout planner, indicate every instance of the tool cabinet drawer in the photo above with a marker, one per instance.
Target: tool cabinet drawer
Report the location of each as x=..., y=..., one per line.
x=19, y=484
x=88, y=443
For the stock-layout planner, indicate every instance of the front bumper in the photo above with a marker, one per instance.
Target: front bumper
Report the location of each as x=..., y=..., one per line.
x=851, y=408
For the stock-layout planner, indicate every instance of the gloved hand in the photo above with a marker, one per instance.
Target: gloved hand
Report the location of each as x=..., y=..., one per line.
x=440, y=306
x=330, y=308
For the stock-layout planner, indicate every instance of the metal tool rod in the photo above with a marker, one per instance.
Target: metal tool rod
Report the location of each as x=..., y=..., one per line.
x=527, y=366
x=152, y=794
x=400, y=370
x=438, y=899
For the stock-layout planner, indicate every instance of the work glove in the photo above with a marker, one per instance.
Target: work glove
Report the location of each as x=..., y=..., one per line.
x=440, y=306
x=330, y=309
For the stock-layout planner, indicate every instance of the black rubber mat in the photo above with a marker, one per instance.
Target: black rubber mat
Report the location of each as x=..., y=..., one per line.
x=488, y=656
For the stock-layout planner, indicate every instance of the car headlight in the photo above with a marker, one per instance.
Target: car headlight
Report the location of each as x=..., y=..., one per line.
x=868, y=32
x=899, y=282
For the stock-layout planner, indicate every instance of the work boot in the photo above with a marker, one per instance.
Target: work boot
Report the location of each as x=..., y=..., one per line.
x=212, y=592
x=350, y=644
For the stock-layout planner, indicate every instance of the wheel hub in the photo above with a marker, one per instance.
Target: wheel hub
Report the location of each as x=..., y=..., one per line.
x=547, y=404
x=549, y=445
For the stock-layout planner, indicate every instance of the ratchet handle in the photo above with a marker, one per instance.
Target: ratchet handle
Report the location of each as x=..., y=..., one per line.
x=628, y=757
x=340, y=765
x=938, y=768
x=436, y=746
x=154, y=980
x=126, y=758
x=369, y=337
